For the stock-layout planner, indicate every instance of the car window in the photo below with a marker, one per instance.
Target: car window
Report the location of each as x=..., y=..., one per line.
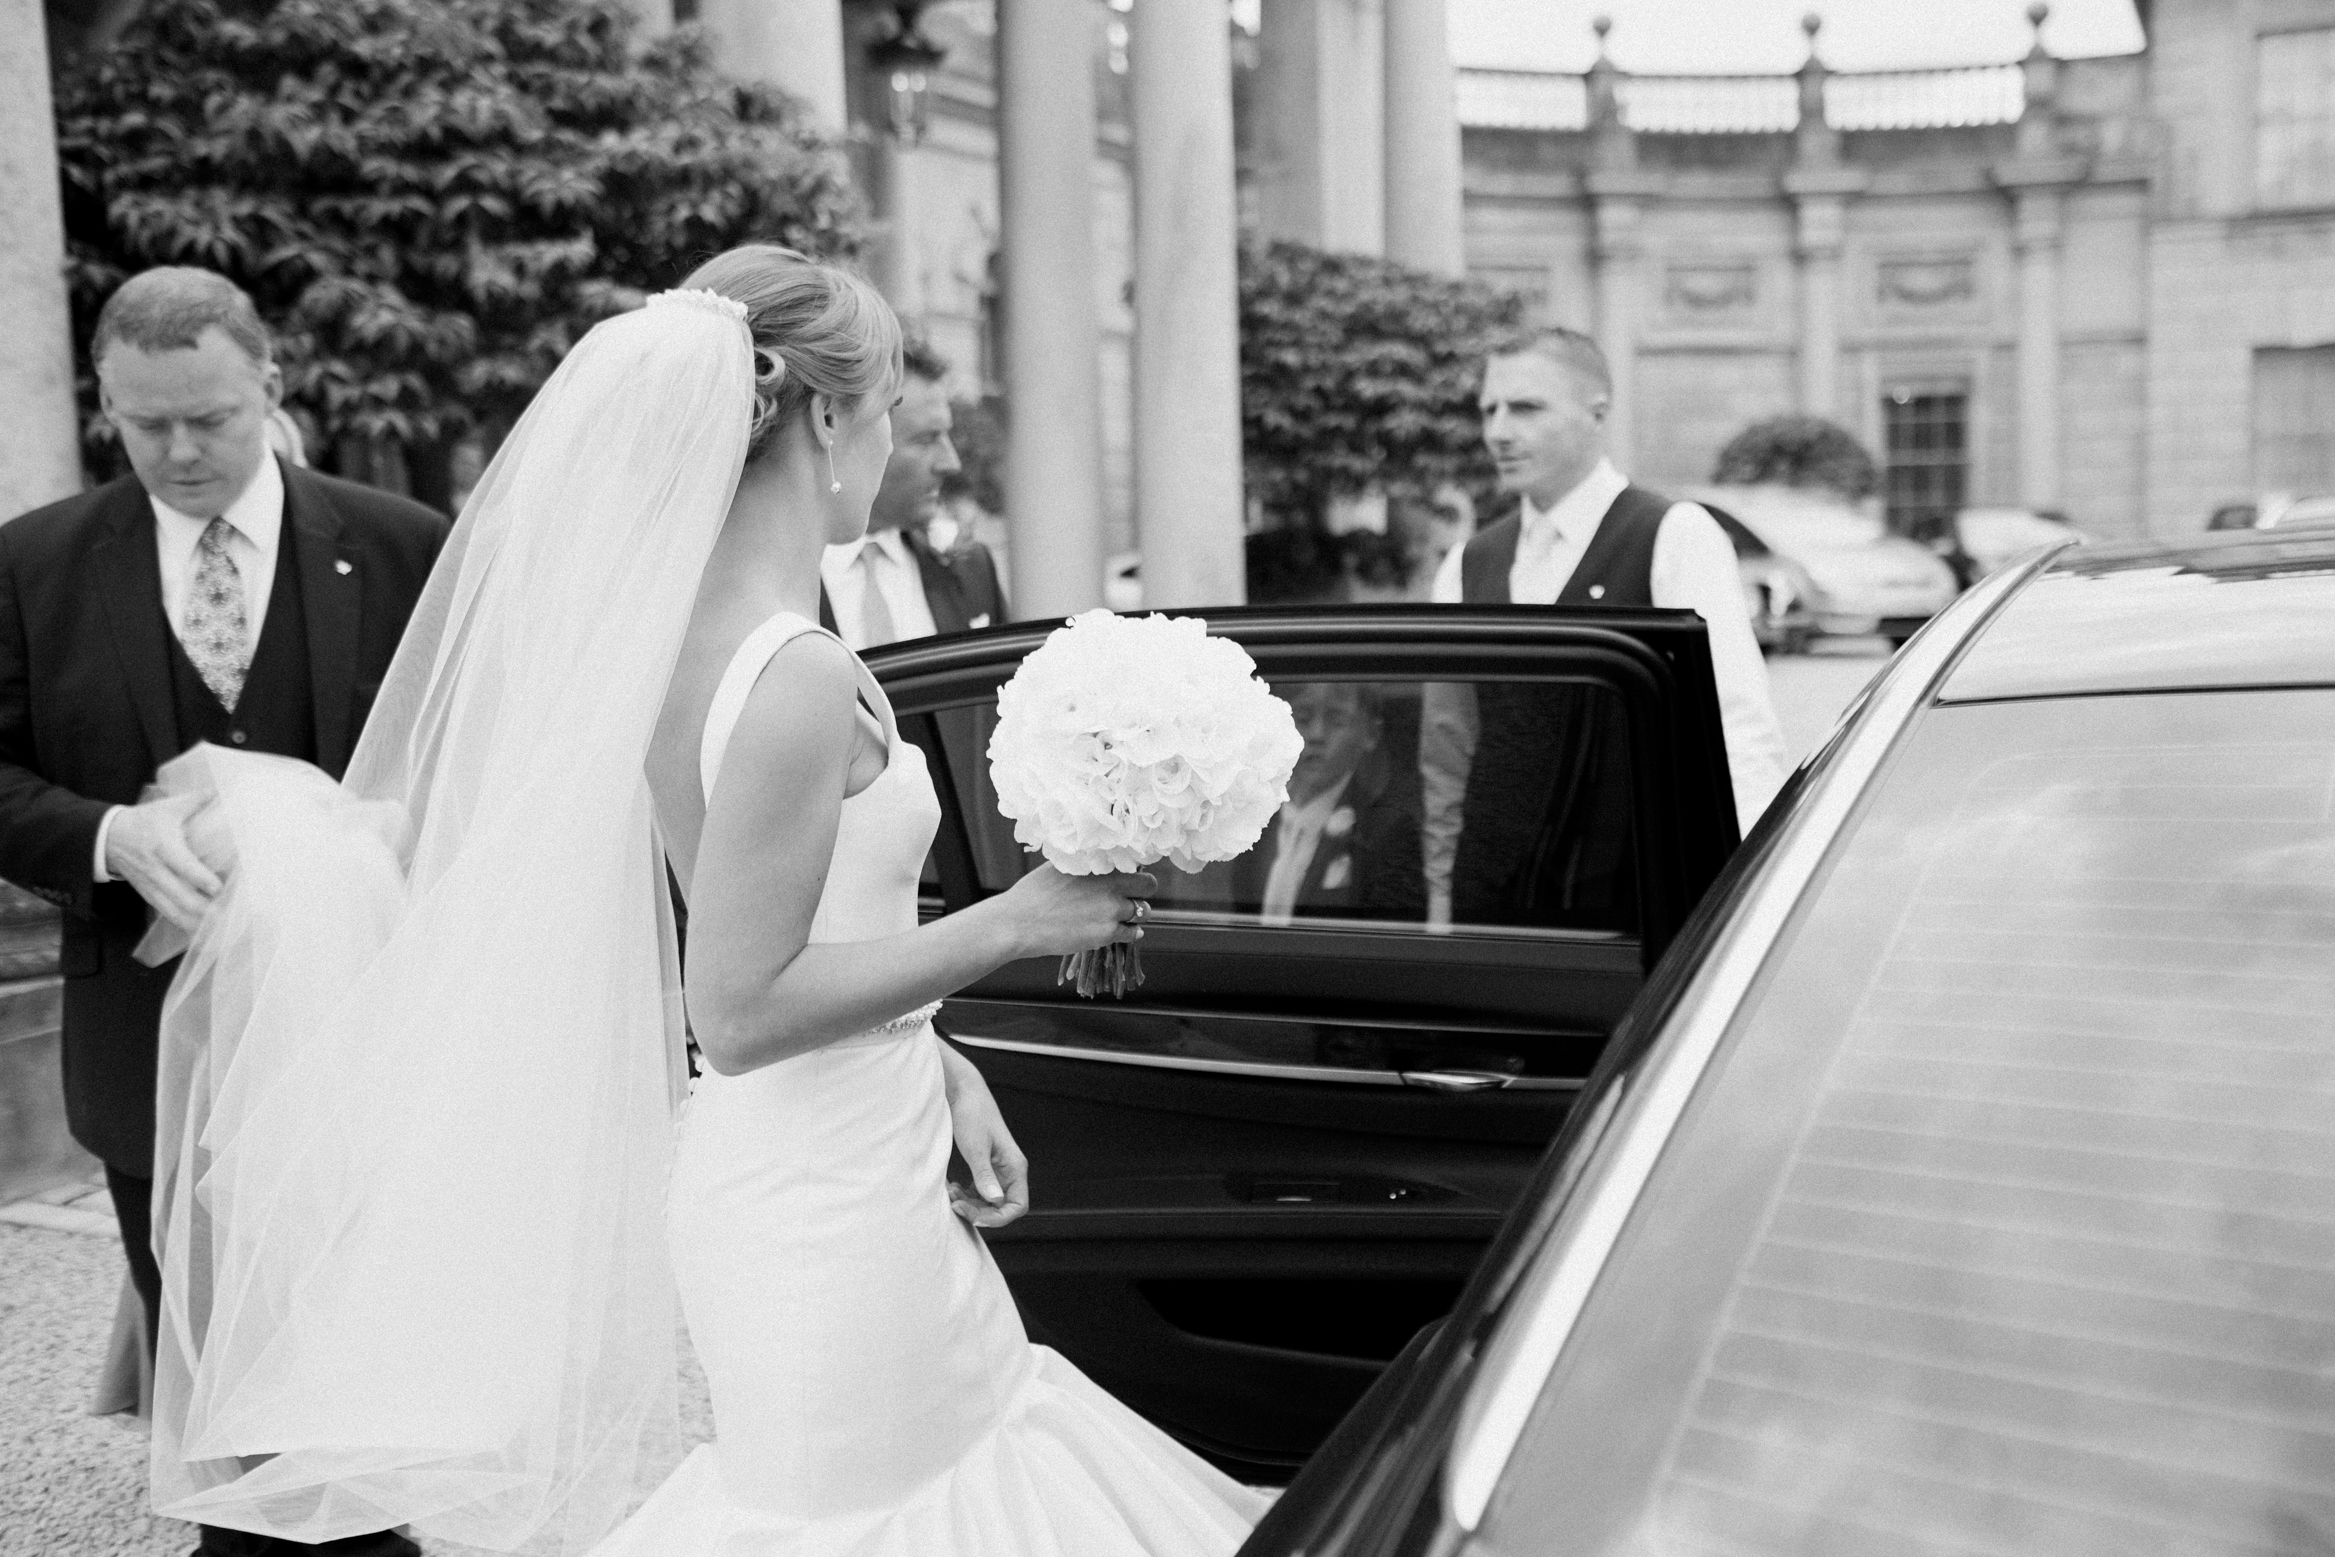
x=1510, y=801
x=1999, y=1222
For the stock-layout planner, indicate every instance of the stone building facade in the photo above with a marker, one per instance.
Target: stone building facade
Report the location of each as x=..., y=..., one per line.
x=2102, y=286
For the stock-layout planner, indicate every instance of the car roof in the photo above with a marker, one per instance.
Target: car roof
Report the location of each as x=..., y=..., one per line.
x=2234, y=609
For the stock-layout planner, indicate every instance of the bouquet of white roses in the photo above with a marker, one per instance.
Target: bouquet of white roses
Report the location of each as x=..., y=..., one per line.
x=1123, y=741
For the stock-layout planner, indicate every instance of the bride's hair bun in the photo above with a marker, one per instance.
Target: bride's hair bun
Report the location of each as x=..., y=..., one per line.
x=818, y=329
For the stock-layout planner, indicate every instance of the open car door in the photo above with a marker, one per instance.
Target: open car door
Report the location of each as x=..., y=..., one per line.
x=1259, y=1173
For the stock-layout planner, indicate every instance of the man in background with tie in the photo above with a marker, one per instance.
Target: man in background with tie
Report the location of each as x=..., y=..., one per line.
x=891, y=584
x=1495, y=759
x=215, y=594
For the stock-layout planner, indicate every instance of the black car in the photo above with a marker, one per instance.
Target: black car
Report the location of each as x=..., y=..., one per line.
x=1961, y=1182
x=1259, y=1174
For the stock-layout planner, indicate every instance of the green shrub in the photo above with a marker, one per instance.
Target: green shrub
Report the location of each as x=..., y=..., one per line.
x=978, y=432
x=1798, y=451
x=430, y=200
x=1355, y=374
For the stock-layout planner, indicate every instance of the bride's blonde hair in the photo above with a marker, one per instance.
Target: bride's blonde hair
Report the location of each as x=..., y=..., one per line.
x=817, y=328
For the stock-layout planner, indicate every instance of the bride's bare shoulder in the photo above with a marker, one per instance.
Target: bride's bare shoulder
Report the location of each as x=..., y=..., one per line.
x=810, y=680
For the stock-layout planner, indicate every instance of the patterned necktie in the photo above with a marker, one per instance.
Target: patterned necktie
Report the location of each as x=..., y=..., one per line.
x=875, y=613
x=217, y=630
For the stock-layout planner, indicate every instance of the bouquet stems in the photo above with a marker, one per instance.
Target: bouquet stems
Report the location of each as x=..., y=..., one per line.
x=1116, y=967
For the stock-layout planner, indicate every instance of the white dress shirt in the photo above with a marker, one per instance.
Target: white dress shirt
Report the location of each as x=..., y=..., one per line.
x=896, y=574
x=256, y=529
x=1297, y=837
x=1693, y=568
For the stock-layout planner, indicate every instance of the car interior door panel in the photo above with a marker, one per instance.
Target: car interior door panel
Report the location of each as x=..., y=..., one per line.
x=1257, y=1175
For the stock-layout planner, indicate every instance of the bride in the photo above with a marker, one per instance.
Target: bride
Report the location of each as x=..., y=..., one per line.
x=418, y=1177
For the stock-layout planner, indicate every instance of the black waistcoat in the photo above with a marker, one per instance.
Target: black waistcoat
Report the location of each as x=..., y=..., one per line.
x=276, y=711
x=1546, y=835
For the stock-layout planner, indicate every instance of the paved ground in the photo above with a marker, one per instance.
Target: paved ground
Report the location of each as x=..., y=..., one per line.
x=71, y=1484
x=1811, y=689
x=74, y=1484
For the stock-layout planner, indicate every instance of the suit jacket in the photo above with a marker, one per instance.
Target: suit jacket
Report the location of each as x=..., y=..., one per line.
x=86, y=717
x=1367, y=864
x=960, y=587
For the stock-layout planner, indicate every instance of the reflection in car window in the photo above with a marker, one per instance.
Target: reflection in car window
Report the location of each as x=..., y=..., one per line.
x=1526, y=790
x=1346, y=845
x=2000, y=1222
x=1503, y=805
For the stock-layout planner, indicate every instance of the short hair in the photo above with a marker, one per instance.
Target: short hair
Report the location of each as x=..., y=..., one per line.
x=817, y=329
x=168, y=309
x=1568, y=349
x=921, y=361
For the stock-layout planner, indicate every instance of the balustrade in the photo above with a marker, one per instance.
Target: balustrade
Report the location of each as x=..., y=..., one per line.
x=1733, y=105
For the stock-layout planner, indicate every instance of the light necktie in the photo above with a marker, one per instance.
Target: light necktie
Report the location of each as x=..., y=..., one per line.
x=1536, y=557
x=217, y=630
x=875, y=613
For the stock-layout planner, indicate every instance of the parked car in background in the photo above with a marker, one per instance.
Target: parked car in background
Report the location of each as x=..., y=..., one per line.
x=1776, y=590
x=1958, y=1183
x=1992, y=538
x=1864, y=579
x=2276, y=510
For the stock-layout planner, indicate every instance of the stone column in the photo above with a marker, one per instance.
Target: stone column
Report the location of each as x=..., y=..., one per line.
x=40, y=458
x=2036, y=180
x=891, y=248
x=1319, y=95
x=1819, y=187
x=1054, y=445
x=2035, y=236
x=1820, y=199
x=794, y=45
x=1616, y=204
x=1187, y=308
x=1423, y=207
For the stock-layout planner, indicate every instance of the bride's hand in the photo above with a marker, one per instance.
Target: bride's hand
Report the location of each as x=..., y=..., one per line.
x=1058, y=914
x=1001, y=1174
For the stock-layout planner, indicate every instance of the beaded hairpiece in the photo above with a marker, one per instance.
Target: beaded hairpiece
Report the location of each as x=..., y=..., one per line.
x=699, y=297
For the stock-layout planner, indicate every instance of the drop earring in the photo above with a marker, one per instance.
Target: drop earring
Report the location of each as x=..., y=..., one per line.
x=834, y=482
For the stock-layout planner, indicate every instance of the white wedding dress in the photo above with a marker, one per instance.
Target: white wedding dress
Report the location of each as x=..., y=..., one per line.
x=873, y=1391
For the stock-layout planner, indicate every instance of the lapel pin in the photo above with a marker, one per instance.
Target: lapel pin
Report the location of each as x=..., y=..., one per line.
x=342, y=566
x=1596, y=591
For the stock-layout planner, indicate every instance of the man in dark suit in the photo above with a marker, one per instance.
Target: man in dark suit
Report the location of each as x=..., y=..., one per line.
x=216, y=594
x=1346, y=845
x=892, y=583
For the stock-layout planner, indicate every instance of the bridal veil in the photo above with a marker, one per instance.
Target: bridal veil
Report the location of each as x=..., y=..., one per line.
x=419, y=1064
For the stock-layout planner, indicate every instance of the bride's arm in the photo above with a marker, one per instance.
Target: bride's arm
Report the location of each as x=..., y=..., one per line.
x=757, y=990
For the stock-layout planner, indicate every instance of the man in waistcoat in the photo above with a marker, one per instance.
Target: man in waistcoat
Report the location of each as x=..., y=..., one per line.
x=215, y=594
x=1509, y=769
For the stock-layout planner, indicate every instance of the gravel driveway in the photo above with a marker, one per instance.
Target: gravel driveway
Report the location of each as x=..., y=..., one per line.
x=75, y=1484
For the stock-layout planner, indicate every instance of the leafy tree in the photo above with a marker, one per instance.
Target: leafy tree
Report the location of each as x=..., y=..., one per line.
x=430, y=200
x=978, y=432
x=1357, y=373
x=1798, y=451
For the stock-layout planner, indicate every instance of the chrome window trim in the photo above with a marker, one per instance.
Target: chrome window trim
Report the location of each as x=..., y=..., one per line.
x=1564, y=1272
x=1256, y=1069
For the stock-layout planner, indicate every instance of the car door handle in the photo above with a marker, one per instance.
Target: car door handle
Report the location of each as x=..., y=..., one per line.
x=1456, y=1080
